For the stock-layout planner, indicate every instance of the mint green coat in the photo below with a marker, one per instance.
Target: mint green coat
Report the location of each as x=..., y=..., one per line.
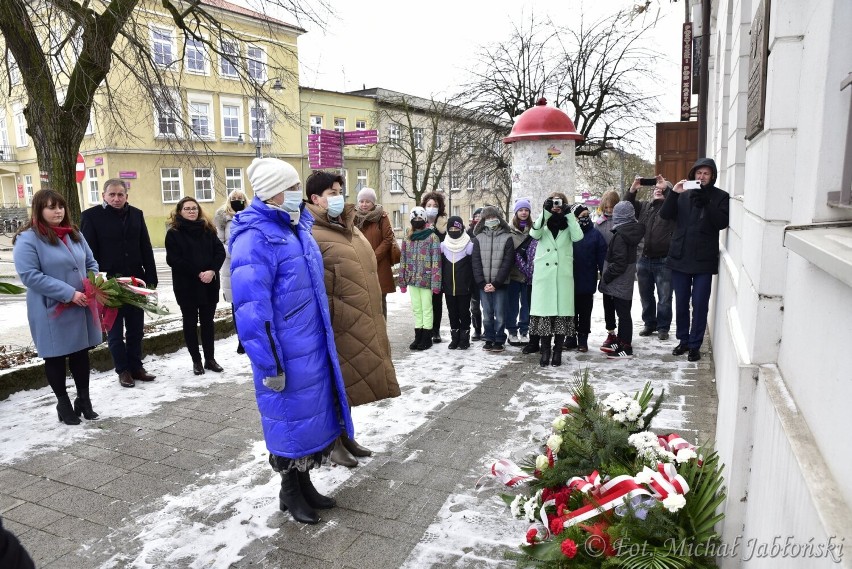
x=553, y=272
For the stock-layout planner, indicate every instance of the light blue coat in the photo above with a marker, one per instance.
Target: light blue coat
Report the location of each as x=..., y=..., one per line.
x=52, y=273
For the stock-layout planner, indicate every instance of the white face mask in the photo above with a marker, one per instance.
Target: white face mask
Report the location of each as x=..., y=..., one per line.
x=492, y=223
x=432, y=212
x=294, y=215
x=335, y=205
x=292, y=200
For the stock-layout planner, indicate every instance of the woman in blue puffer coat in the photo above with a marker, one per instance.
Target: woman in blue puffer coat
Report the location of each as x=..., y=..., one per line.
x=283, y=322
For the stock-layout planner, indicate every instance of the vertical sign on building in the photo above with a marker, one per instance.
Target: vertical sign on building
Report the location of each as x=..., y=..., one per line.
x=686, y=72
x=758, y=53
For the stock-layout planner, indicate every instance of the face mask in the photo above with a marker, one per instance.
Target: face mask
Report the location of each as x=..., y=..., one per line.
x=585, y=223
x=455, y=234
x=294, y=215
x=492, y=223
x=335, y=205
x=238, y=205
x=292, y=200
x=432, y=212
x=418, y=223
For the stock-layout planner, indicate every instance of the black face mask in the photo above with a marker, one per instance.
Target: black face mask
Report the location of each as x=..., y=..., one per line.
x=238, y=205
x=455, y=234
x=418, y=223
x=585, y=223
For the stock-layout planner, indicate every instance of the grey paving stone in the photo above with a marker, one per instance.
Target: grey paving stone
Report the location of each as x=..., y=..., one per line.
x=45, y=547
x=316, y=540
x=237, y=438
x=188, y=460
x=133, y=487
x=76, y=529
x=16, y=528
x=146, y=449
x=156, y=469
x=42, y=464
x=71, y=560
x=15, y=478
x=378, y=497
x=7, y=502
x=89, y=505
x=375, y=552
x=33, y=515
x=192, y=428
x=283, y=558
x=409, y=472
x=86, y=474
x=153, y=422
x=41, y=489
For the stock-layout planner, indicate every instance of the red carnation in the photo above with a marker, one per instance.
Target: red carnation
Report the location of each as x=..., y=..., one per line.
x=562, y=496
x=531, y=535
x=599, y=539
x=569, y=548
x=557, y=525
x=546, y=494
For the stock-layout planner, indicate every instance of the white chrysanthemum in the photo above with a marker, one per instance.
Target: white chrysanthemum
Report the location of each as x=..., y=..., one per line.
x=515, y=506
x=685, y=454
x=619, y=417
x=674, y=502
x=633, y=410
x=554, y=442
x=640, y=422
x=541, y=462
x=559, y=422
x=665, y=455
x=643, y=477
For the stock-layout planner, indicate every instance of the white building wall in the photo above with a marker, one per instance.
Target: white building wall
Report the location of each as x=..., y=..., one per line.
x=781, y=334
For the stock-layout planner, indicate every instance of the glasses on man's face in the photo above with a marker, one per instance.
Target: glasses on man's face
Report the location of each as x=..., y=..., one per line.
x=189, y=209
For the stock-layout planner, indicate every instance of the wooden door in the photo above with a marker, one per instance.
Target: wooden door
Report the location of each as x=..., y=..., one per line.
x=677, y=149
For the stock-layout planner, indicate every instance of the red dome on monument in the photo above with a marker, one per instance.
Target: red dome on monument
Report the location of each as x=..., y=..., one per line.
x=543, y=123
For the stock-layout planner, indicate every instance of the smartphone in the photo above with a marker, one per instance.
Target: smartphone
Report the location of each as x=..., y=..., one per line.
x=691, y=185
x=647, y=181
x=557, y=202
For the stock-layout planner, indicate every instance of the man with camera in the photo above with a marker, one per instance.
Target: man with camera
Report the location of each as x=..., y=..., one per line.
x=700, y=211
x=652, y=268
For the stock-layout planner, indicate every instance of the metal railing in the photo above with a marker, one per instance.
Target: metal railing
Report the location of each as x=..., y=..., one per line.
x=7, y=153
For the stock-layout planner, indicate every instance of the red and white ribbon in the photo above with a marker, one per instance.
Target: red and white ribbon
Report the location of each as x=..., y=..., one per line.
x=572, y=404
x=135, y=285
x=674, y=442
x=667, y=481
x=585, y=484
x=610, y=495
x=507, y=472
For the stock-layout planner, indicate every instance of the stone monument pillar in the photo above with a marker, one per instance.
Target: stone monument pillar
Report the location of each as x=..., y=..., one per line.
x=543, y=161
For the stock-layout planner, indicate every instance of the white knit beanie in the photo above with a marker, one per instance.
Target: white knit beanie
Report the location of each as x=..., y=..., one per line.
x=368, y=194
x=270, y=176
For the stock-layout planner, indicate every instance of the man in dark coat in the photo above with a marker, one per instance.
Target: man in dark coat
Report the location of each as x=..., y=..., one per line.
x=652, y=270
x=117, y=234
x=700, y=214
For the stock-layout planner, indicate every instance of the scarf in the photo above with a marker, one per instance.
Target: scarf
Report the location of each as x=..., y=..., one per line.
x=556, y=223
x=59, y=230
x=362, y=218
x=421, y=234
x=456, y=245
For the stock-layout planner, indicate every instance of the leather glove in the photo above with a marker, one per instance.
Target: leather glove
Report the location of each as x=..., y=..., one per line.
x=548, y=205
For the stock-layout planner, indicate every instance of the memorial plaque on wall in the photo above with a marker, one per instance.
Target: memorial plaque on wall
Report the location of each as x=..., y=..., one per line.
x=686, y=72
x=758, y=54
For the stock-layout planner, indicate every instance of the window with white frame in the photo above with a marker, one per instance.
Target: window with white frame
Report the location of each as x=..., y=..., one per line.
x=339, y=124
x=233, y=179
x=484, y=182
x=228, y=58
x=397, y=219
x=90, y=126
x=345, y=174
x=421, y=174
x=204, y=184
x=361, y=179
x=196, y=60
x=256, y=63
x=14, y=71
x=456, y=211
x=471, y=181
x=360, y=124
x=28, y=189
x=439, y=139
x=231, y=118
x=396, y=181
x=199, y=118
x=454, y=182
x=418, y=138
x=168, y=120
x=162, y=46
x=94, y=192
x=394, y=133
x=316, y=124
x=21, y=128
x=4, y=132
x=436, y=179
x=259, y=122
x=171, y=185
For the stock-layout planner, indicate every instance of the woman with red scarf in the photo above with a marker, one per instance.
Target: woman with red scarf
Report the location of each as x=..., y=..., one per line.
x=52, y=259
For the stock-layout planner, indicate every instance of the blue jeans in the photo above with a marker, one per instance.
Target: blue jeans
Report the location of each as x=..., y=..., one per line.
x=518, y=307
x=651, y=273
x=695, y=288
x=127, y=351
x=493, y=315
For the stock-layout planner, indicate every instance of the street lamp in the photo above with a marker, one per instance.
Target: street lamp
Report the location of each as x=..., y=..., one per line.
x=276, y=86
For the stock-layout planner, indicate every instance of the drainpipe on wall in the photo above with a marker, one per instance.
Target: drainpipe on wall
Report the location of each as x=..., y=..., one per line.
x=704, y=79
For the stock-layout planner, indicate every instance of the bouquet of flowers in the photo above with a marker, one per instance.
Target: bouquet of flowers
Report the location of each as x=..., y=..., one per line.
x=106, y=295
x=607, y=492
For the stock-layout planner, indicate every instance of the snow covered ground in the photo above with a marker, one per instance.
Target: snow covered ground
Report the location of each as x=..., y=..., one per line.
x=234, y=503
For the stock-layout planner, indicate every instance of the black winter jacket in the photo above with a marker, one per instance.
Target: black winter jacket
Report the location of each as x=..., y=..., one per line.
x=191, y=248
x=120, y=242
x=620, y=266
x=658, y=231
x=699, y=218
x=457, y=278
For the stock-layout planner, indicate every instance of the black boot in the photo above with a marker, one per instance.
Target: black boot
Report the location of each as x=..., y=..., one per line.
x=425, y=339
x=582, y=342
x=436, y=335
x=454, y=339
x=311, y=495
x=290, y=499
x=556, y=359
x=477, y=329
x=416, y=343
x=340, y=455
x=532, y=346
x=464, y=339
x=570, y=343
x=354, y=448
x=83, y=406
x=545, y=351
x=64, y=410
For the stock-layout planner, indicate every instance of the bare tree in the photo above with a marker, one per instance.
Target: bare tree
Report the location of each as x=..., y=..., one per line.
x=612, y=170
x=71, y=53
x=600, y=73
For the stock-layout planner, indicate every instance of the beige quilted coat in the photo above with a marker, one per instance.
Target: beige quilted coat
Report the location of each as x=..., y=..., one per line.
x=355, y=303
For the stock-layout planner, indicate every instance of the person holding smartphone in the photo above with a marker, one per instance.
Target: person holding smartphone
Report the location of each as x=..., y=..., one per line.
x=699, y=213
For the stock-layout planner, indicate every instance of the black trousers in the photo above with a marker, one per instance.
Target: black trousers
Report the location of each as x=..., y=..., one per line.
x=78, y=363
x=625, y=321
x=437, y=309
x=609, y=311
x=583, y=307
x=192, y=316
x=126, y=347
x=458, y=309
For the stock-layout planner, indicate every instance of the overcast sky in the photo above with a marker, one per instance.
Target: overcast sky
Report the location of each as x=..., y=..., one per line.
x=423, y=48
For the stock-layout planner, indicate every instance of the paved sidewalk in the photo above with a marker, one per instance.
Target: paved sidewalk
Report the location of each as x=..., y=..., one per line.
x=185, y=483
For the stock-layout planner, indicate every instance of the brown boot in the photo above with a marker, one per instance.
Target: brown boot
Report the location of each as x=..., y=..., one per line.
x=339, y=455
x=126, y=380
x=354, y=448
x=142, y=375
